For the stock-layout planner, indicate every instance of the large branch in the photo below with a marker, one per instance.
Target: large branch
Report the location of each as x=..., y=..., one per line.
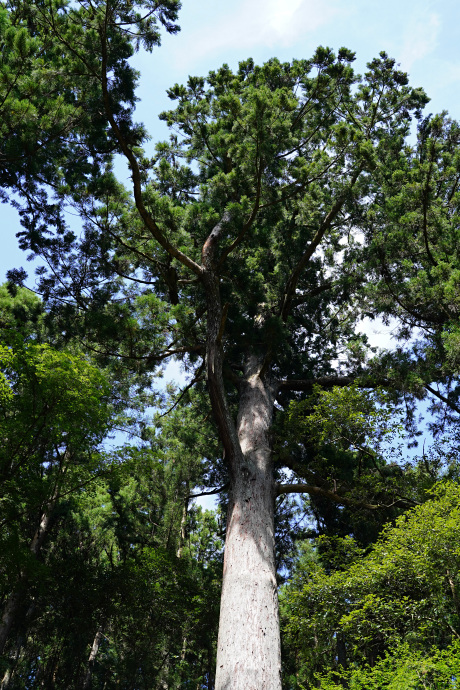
x=313, y=489
x=208, y=252
x=342, y=500
x=150, y=358
x=298, y=300
x=307, y=384
x=213, y=492
x=214, y=352
x=443, y=398
x=150, y=223
x=305, y=258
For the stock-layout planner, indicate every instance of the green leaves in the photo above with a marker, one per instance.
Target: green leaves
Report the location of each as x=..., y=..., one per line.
x=400, y=599
x=344, y=416
x=403, y=668
x=62, y=388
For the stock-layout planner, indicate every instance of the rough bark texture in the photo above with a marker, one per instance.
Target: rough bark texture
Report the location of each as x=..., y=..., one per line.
x=249, y=654
x=248, y=648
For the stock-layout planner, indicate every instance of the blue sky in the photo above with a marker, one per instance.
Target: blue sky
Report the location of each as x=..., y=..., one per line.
x=424, y=37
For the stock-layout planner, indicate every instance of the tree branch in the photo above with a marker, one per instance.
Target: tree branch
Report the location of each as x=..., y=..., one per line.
x=209, y=247
x=184, y=391
x=442, y=397
x=210, y=493
x=305, y=258
x=150, y=223
x=214, y=352
x=323, y=381
x=333, y=496
x=149, y=358
x=302, y=299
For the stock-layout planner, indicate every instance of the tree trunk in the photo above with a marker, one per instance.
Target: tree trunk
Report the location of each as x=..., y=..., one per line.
x=8, y=617
x=183, y=522
x=13, y=603
x=249, y=653
x=248, y=647
x=92, y=657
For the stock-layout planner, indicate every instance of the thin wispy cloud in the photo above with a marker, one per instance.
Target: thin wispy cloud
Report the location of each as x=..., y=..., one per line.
x=420, y=38
x=256, y=23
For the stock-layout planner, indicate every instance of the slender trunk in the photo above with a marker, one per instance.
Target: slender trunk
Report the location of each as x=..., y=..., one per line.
x=210, y=674
x=454, y=591
x=92, y=657
x=6, y=679
x=14, y=659
x=249, y=651
x=13, y=603
x=183, y=522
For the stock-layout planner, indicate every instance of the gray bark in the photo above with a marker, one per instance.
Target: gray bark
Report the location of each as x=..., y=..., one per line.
x=92, y=657
x=249, y=653
x=248, y=648
x=8, y=617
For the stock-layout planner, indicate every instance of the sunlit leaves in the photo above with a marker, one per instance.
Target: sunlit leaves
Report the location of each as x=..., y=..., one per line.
x=402, y=593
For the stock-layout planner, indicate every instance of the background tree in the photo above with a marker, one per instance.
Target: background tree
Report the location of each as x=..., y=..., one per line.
x=412, y=235
x=384, y=618
x=106, y=581
x=54, y=413
x=54, y=133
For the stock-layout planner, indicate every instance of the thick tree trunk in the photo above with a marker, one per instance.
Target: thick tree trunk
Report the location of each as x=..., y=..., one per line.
x=249, y=655
x=248, y=648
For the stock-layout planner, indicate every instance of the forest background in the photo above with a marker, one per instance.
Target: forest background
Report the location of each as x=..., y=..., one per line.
x=161, y=632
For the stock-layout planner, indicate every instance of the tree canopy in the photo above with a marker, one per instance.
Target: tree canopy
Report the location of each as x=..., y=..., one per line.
x=288, y=203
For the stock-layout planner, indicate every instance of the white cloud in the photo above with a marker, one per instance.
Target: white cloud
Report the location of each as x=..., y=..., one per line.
x=257, y=23
x=378, y=333
x=420, y=38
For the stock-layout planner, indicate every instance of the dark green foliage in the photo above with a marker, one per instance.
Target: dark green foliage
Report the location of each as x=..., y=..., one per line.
x=412, y=236
x=286, y=156
x=92, y=540
x=55, y=139
x=277, y=153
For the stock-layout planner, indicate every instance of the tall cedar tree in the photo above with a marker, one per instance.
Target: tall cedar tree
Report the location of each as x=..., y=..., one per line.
x=243, y=249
